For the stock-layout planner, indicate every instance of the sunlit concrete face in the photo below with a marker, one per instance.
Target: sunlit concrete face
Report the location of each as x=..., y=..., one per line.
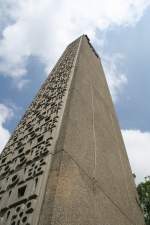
x=94, y=182
x=66, y=162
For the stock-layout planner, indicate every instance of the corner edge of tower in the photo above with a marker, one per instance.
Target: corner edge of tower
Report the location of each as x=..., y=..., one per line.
x=91, y=46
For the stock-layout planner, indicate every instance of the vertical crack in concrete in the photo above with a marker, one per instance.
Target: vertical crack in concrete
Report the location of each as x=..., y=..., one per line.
x=94, y=134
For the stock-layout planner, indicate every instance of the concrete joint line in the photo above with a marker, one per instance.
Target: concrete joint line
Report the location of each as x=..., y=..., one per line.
x=94, y=181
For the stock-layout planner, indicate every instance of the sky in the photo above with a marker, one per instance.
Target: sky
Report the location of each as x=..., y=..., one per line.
x=34, y=33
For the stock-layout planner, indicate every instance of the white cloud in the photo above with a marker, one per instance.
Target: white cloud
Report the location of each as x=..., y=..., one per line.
x=138, y=148
x=115, y=78
x=5, y=114
x=42, y=28
x=21, y=83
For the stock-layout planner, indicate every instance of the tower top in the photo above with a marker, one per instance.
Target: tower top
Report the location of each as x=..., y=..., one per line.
x=93, y=49
x=89, y=42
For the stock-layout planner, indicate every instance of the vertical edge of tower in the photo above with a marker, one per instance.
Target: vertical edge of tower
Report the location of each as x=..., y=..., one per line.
x=46, y=212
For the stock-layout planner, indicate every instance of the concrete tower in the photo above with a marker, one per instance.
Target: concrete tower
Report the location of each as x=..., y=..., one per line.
x=66, y=164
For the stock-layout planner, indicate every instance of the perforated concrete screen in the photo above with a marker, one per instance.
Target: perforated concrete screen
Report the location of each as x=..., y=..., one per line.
x=65, y=164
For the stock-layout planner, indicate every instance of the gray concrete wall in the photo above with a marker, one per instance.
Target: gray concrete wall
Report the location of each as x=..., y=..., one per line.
x=90, y=181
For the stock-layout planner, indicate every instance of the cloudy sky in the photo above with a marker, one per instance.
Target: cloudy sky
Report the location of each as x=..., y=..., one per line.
x=33, y=34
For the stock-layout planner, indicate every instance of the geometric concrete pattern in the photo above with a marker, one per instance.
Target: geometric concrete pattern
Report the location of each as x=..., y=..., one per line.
x=66, y=164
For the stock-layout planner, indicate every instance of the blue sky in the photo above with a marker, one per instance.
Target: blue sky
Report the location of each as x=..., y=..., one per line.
x=133, y=43
x=33, y=34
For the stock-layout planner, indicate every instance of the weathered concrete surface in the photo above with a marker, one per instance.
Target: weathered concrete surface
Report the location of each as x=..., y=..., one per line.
x=90, y=181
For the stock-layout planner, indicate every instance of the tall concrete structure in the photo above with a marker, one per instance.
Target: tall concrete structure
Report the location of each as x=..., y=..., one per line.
x=66, y=164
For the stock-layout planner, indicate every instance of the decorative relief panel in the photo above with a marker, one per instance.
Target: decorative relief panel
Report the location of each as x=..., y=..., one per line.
x=25, y=160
